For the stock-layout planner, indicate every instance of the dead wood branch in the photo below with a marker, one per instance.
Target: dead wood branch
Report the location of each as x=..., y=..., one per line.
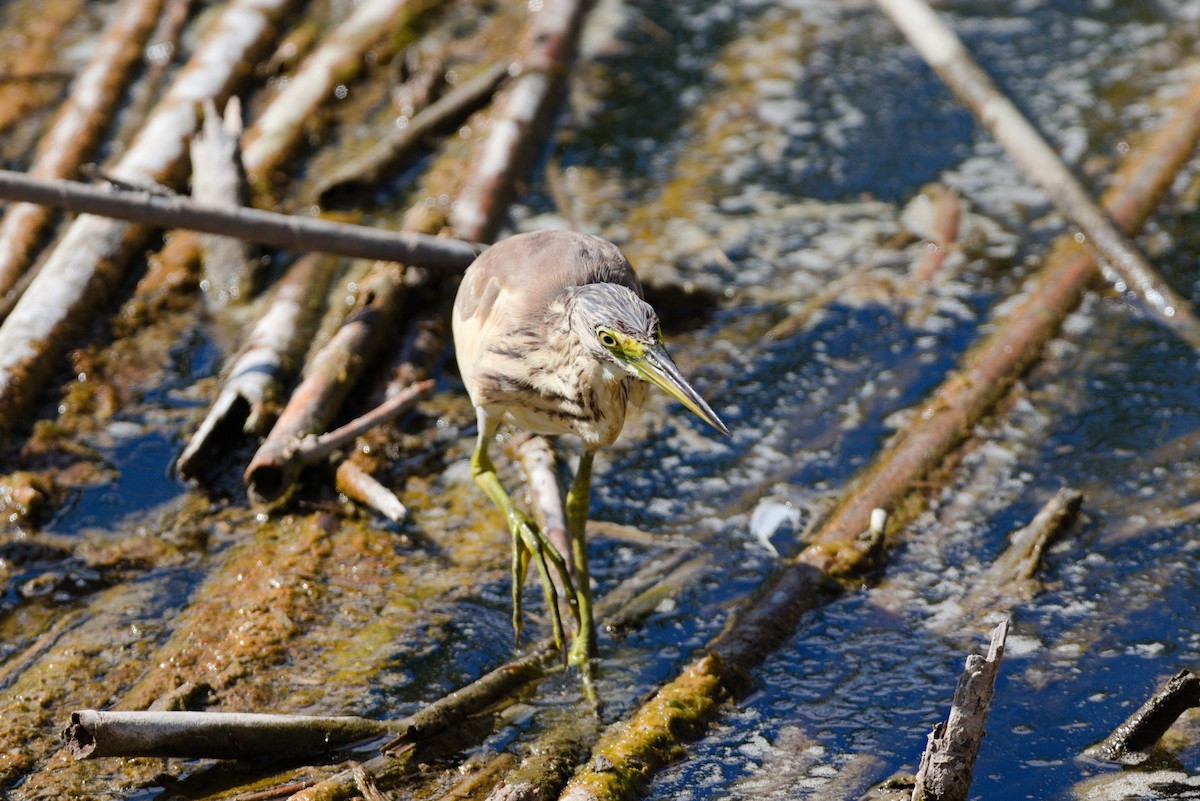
x=271, y=355
x=77, y=127
x=314, y=449
x=381, y=161
x=522, y=118
x=1145, y=727
x=287, y=231
x=90, y=258
x=1120, y=259
x=214, y=735
x=327, y=381
x=839, y=548
x=1019, y=562
x=275, y=134
x=949, y=759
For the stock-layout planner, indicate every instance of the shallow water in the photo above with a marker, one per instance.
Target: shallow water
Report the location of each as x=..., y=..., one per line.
x=751, y=153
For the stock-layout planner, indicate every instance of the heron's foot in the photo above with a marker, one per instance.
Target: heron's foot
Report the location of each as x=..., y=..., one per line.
x=530, y=544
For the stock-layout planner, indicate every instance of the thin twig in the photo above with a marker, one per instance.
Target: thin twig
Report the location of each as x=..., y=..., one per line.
x=315, y=449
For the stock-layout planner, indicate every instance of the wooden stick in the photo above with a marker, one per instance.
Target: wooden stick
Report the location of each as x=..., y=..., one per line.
x=271, y=355
x=313, y=449
x=361, y=487
x=522, y=120
x=1122, y=262
x=215, y=735
x=841, y=547
x=84, y=115
x=949, y=758
x=287, y=231
x=1145, y=727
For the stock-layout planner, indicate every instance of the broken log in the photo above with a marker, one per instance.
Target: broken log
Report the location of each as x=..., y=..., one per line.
x=1130, y=741
x=273, y=352
x=327, y=381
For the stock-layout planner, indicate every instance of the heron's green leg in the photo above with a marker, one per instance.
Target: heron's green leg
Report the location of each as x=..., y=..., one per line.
x=578, y=499
x=528, y=542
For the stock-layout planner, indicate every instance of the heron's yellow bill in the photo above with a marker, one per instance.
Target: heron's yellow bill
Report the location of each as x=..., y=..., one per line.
x=657, y=367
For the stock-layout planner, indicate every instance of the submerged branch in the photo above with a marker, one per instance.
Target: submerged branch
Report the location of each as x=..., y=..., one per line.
x=286, y=231
x=1122, y=262
x=842, y=546
x=949, y=758
x=213, y=735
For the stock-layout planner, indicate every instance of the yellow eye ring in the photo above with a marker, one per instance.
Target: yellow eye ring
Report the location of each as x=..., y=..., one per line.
x=606, y=339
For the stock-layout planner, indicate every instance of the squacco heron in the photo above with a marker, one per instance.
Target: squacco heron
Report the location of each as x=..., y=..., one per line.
x=551, y=330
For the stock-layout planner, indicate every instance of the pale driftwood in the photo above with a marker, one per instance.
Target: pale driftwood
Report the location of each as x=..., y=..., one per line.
x=1119, y=258
x=218, y=180
x=327, y=381
x=382, y=159
x=634, y=748
x=89, y=259
x=949, y=758
x=522, y=118
x=276, y=132
x=1130, y=741
x=272, y=354
x=287, y=231
x=216, y=735
x=76, y=128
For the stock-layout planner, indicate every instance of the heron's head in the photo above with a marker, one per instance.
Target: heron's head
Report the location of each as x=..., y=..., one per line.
x=616, y=326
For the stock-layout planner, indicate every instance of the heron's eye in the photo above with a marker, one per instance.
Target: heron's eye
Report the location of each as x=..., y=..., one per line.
x=606, y=338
